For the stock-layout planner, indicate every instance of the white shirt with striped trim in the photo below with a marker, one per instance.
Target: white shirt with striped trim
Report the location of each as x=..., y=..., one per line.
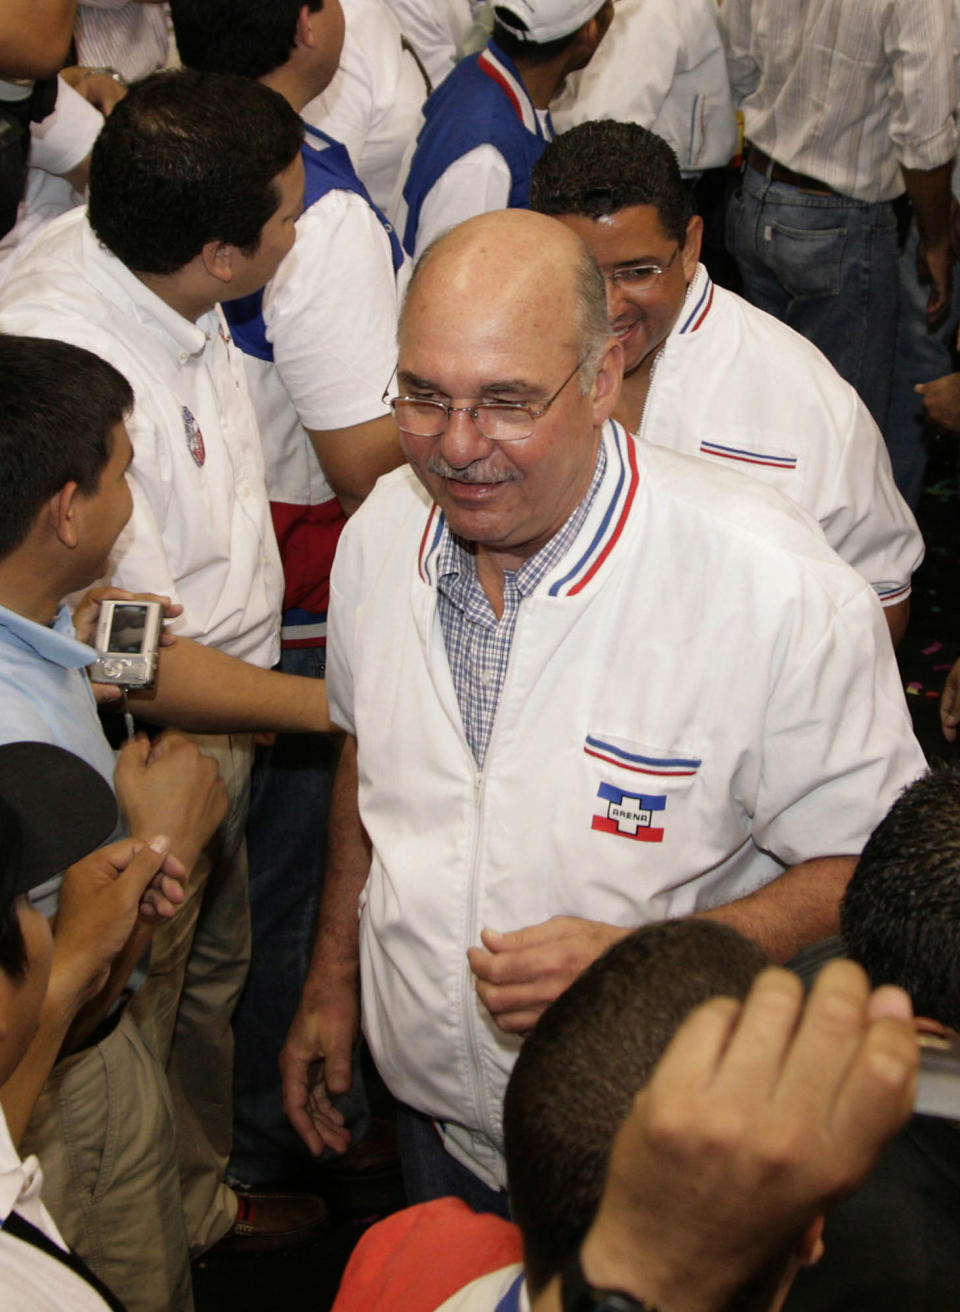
x=736, y=386
x=699, y=693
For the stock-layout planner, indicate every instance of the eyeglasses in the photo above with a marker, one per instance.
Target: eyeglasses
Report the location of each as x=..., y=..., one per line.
x=500, y=421
x=641, y=277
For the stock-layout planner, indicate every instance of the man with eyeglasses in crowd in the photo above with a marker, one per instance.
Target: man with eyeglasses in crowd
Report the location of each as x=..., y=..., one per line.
x=707, y=373
x=587, y=684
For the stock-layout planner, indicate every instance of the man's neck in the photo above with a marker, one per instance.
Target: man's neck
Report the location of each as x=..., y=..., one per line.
x=542, y=81
x=190, y=303
x=22, y=591
x=634, y=392
x=294, y=89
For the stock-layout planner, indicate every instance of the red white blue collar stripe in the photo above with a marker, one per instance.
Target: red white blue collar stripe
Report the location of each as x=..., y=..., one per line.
x=497, y=67
x=698, y=311
x=622, y=465
x=619, y=487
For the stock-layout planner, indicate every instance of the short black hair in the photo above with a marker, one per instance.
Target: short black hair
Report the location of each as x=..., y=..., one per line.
x=580, y=1067
x=900, y=915
x=248, y=37
x=59, y=405
x=187, y=158
x=13, y=947
x=602, y=167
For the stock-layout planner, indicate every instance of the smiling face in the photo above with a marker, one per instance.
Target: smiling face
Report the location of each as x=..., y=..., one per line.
x=640, y=315
x=489, y=320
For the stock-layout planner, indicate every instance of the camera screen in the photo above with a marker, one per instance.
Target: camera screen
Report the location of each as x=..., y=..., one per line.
x=127, y=627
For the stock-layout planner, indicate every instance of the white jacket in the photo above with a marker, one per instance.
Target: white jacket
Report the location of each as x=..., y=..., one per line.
x=736, y=386
x=699, y=692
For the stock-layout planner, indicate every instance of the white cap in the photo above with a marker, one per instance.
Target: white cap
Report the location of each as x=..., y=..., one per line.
x=545, y=20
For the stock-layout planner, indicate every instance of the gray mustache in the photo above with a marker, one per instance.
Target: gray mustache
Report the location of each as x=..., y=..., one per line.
x=478, y=472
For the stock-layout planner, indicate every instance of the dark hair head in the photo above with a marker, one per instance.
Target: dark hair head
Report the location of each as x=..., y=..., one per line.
x=248, y=37
x=59, y=405
x=900, y=915
x=589, y=1053
x=187, y=158
x=602, y=167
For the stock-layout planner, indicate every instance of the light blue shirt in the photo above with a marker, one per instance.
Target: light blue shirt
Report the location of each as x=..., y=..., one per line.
x=45, y=696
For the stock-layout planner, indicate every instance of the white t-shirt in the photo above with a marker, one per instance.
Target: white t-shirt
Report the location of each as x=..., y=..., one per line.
x=661, y=65
x=373, y=103
x=330, y=312
x=201, y=529
x=435, y=29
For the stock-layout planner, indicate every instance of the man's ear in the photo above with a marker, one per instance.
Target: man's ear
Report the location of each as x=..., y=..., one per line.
x=606, y=385
x=303, y=35
x=62, y=515
x=218, y=259
x=690, y=251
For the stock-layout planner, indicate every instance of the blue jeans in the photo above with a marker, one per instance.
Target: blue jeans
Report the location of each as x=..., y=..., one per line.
x=286, y=837
x=827, y=266
x=430, y=1172
x=921, y=356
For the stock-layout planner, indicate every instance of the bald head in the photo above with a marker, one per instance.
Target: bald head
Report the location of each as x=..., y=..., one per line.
x=514, y=267
x=497, y=321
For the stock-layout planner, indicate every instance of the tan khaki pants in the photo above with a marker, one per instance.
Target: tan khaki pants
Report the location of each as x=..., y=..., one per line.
x=103, y=1129
x=198, y=965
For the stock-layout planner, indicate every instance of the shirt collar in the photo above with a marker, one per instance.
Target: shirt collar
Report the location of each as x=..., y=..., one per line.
x=20, y=1182
x=456, y=562
x=57, y=644
x=180, y=337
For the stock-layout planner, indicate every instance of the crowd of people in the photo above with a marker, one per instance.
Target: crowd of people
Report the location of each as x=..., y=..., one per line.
x=517, y=413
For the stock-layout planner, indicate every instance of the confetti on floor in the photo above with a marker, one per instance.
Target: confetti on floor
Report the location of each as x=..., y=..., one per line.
x=914, y=689
x=932, y=649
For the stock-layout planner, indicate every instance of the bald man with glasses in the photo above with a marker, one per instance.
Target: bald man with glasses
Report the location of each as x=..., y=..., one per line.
x=587, y=684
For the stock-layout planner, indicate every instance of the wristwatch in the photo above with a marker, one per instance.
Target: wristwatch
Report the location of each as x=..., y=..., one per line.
x=578, y=1295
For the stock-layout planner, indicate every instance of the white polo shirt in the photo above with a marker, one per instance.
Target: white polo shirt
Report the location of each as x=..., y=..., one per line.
x=373, y=103
x=201, y=529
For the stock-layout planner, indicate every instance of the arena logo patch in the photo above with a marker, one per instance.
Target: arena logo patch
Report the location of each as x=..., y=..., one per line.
x=629, y=815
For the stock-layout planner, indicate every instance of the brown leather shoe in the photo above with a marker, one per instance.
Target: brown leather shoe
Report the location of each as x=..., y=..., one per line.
x=267, y=1222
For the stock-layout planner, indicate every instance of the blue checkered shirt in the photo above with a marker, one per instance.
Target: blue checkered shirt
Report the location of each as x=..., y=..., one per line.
x=478, y=644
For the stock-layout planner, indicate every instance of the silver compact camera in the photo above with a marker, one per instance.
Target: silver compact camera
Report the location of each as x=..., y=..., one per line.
x=127, y=641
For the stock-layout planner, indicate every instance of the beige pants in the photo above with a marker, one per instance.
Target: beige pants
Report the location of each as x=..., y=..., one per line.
x=198, y=964
x=103, y=1129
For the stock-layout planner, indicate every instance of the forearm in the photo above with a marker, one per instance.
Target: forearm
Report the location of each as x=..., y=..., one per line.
x=800, y=907
x=929, y=193
x=203, y=690
x=89, y=1016
x=21, y=1091
x=336, y=945
x=354, y=458
x=897, y=617
x=35, y=36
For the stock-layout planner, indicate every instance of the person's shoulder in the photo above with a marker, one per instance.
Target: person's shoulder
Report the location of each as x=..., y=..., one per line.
x=736, y=511
x=754, y=359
